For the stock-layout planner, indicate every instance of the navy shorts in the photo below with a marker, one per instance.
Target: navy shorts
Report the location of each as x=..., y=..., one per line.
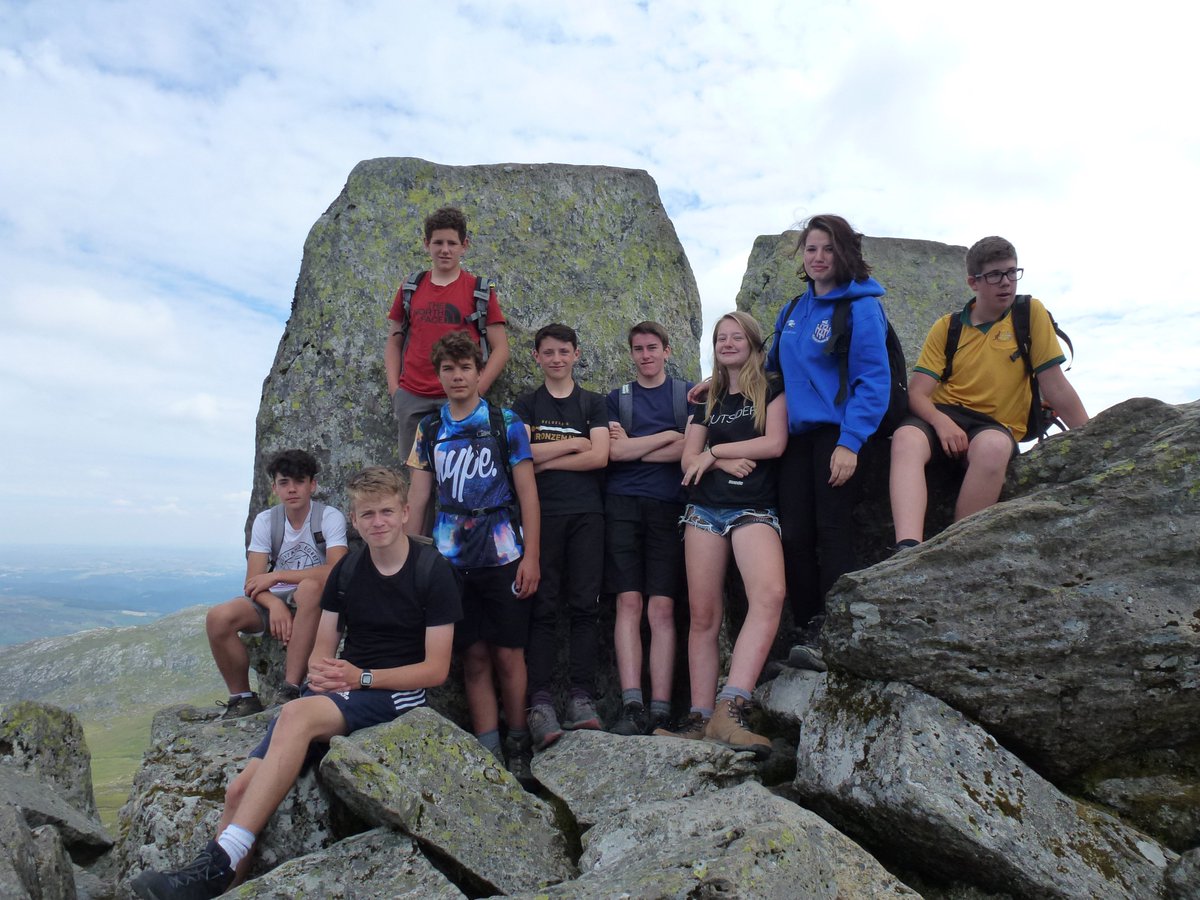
x=491, y=611
x=360, y=709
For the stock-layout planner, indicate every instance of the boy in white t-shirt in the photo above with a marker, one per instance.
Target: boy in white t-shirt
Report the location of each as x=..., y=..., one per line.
x=287, y=563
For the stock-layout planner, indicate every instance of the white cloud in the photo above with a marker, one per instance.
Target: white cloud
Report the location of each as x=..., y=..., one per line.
x=161, y=166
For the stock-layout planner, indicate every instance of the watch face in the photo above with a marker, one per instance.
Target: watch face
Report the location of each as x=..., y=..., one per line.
x=365, y=679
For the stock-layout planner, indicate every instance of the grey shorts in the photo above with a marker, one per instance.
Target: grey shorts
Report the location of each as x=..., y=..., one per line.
x=264, y=614
x=410, y=409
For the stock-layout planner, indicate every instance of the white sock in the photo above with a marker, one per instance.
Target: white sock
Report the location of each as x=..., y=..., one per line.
x=236, y=841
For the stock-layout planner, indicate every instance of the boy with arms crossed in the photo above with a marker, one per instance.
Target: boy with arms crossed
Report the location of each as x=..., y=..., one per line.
x=283, y=584
x=488, y=526
x=979, y=414
x=643, y=505
x=568, y=430
x=398, y=643
x=444, y=301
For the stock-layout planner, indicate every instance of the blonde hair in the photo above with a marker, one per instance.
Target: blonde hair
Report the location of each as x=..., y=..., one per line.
x=377, y=481
x=752, y=379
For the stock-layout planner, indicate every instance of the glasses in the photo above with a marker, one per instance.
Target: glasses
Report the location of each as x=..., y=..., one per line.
x=997, y=276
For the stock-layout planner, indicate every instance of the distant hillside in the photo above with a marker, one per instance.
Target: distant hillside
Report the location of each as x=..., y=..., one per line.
x=114, y=680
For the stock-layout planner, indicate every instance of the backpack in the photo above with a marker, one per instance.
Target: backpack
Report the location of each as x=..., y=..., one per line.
x=277, y=519
x=1041, y=416
x=482, y=293
x=426, y=560
x=496, y=428
x=839, y=345
x=678, y=404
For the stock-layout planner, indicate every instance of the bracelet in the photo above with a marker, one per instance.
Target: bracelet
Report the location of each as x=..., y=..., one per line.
x=712, y=452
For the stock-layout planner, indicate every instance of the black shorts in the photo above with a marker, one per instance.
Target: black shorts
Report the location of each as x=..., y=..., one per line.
x=643, y=547
x=491, y=611
x=968, y=420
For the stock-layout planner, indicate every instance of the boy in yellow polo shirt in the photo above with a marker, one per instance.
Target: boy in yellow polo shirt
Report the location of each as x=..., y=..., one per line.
x=977, y=412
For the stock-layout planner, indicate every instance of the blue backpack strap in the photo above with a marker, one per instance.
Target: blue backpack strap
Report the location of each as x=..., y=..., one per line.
x=625, y=406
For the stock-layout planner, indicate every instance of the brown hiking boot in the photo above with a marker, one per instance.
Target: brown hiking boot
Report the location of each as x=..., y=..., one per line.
x=691, y=728
x=728, y=726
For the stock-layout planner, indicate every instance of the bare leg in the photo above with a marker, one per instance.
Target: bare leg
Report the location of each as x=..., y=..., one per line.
x=304, y=629
x=988, y=455
x=300, y=722
x=909, y=494
x=223, y=623
x=660, y=612
x=706, y=556
x=510, y=670
x=627, y=638
x=481, y=693
x=759, y=556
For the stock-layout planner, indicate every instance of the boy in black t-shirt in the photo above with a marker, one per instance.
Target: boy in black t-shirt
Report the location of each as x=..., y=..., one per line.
x=397, y=644
x=568, y=432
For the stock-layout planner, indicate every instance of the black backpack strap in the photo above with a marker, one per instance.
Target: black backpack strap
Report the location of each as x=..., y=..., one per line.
x=482, y=294
x=625, y=406
x=773, y=350
x=953, y=335
x=427, y=557
x=349, y=565
x=679, y=402
x=839, y=343
x=314, y=525
x=500, y=430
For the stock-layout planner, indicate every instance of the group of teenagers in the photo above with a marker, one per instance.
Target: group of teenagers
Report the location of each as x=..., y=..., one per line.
x=538, y=510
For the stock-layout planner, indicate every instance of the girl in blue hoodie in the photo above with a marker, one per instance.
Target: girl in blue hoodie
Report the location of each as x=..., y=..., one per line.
x=826, y=432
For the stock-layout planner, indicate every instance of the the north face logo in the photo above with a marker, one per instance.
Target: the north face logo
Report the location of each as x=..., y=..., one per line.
x=822, y=332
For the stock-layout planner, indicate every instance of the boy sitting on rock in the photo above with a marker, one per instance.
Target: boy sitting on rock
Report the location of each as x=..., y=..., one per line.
x=398, y=643
x=293, y=545
x=475, y=459
x=978, y=413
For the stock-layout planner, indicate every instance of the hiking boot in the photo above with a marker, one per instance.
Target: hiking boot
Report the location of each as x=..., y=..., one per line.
x=544, y=729
x=906, y=544
x=632, y=720
x=208, y=875
x=287, y=693
x=519, y=752
x=236, y=707
x=691, y=728
x=581, y=713
x=728, y=726
x=658, y=721
x=803, y=656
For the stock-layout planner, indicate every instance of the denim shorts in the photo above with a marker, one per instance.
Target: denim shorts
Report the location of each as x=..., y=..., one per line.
x=722, y=521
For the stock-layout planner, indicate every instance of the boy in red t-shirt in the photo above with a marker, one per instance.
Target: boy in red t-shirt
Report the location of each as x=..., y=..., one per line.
x=442, y=303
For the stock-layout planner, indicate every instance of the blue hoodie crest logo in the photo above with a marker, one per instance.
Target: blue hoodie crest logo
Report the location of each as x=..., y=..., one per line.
x=822, y=332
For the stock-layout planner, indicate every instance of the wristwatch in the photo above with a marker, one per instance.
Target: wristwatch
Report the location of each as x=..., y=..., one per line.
x=364, y=680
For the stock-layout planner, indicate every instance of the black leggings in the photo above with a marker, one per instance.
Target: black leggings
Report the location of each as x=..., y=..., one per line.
x=817, y=521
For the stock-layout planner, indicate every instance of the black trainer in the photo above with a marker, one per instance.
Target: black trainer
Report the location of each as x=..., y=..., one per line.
x=632, y=721
x=208, y=875
x=236, y=707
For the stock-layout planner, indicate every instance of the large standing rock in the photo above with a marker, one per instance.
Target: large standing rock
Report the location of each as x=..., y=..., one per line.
x=47, y=743
x=1066, y=620
x=590, y=246
x=590, y=771
x=430, y=778
x=896, y=768
x=179, y=792
x=740, y=842
x=376, y=865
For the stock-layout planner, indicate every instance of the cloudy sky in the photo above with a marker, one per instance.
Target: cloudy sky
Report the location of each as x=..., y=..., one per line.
x=161, y=164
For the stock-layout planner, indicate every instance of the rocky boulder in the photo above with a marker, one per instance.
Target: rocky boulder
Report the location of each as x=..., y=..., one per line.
x=47, y=743
x=591, y=246
x=178, y=794
x=901, y=770
x=1065, y=620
